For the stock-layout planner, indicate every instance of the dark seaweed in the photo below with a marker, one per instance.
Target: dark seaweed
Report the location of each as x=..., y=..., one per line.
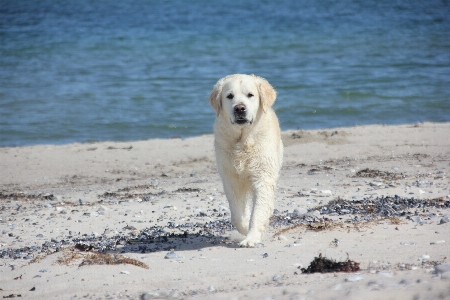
x=324, y=265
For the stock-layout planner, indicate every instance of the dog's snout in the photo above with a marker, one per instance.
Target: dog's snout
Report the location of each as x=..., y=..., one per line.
x=240, y=108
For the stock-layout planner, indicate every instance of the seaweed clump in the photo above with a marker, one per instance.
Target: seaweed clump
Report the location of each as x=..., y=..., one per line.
x=326, y=265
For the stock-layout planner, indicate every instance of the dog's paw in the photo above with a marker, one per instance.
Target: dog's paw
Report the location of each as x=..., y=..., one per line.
x=250, y=242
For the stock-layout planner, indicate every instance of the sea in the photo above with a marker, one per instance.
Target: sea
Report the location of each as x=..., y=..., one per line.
x=103, y=70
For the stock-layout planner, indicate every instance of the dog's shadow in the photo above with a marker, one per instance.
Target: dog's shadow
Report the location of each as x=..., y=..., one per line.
x=184, y=242
x=184, y=237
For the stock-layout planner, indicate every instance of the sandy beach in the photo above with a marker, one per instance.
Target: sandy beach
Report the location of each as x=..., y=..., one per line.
x=149, y=219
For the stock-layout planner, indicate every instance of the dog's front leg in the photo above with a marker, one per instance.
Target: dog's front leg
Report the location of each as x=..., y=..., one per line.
x=263, y=205
x=239, y=197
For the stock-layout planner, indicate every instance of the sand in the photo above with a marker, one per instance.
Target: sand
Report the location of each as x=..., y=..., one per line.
x=55, y=195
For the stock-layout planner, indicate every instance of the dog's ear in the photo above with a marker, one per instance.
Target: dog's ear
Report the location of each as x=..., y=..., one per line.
x=267, y=93
x=215, y=96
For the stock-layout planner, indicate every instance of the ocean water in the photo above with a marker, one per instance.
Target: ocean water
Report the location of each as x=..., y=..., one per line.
x=100, y=70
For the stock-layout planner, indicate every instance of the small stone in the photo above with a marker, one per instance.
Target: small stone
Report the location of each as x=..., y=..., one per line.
x=172, y=255
x=265, y=255
x=353, y=279
x=445, y=219
x=48, y=205
x=125, y=272
x=160, y=294
x=276, y=278
x=282, y=238
x=417, y=219
x=103, y=208
x=372, y=283
x=211, y=289
x=407, y=243
x=440, y=269
x=301, y=211
x=424, y=257
x=437, y=242
x=81, y=201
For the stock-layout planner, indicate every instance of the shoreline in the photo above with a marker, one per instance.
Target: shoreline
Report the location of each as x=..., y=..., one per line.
x=59, y=196
x=93, y=142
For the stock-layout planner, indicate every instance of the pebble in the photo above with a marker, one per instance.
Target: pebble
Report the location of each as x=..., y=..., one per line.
x=437, y=242
x=124, y=272
x=282, y=238
x=445, y=219
x=407, y=243
x=315, y=213
x=424, y=257
x=353, y=279
x=417, y=219
x=48, y=205
x=103, y=208
x=276, y=278
x=300, y=211
x=160, y=294
x=441, y=269
x=172, y=255
x=372, y=283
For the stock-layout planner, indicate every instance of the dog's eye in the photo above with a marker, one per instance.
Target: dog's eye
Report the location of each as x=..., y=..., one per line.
x=230, y=96
x=250, y=95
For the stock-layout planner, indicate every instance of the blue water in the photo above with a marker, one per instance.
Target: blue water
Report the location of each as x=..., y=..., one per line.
x=96, y=70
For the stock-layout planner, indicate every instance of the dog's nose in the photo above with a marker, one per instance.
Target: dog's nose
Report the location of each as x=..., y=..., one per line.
x=240, y=108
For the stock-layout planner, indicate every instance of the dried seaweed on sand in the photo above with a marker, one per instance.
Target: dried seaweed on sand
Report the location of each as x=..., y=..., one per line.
x=110, y=259
x=325, y=265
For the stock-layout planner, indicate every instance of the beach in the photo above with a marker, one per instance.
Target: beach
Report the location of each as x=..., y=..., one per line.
x=149, y=219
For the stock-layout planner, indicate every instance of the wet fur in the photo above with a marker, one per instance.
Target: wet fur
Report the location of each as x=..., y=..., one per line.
x=249, y=156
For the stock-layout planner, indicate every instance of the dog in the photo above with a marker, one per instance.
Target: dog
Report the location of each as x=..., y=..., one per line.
x=249, y=151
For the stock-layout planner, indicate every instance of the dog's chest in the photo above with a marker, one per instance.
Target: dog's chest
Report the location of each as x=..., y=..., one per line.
x=241, y=156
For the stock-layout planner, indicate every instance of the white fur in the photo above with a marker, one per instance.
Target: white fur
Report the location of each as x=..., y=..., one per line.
x=249, y=156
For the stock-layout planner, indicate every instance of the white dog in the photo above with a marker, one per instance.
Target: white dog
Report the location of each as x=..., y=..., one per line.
x=249, y=151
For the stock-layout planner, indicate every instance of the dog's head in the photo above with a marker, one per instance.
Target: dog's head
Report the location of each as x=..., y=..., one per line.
x=240, y=97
